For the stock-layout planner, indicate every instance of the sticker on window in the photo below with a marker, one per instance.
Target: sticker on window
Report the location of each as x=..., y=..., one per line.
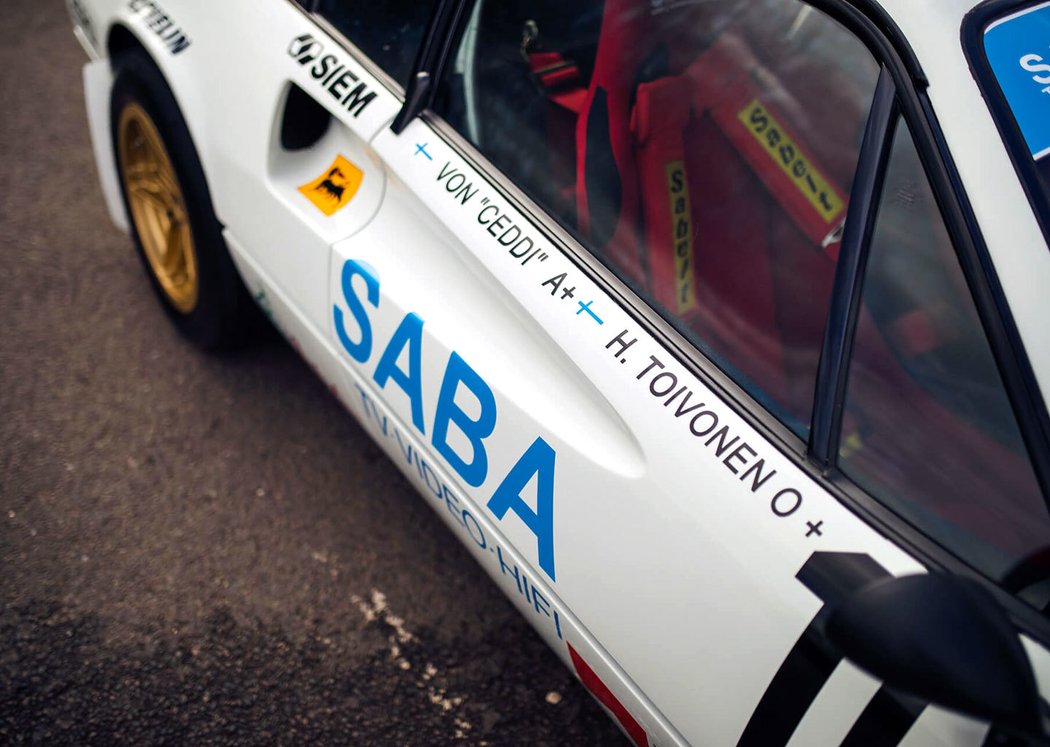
x=335, y=188
x=1018, y=49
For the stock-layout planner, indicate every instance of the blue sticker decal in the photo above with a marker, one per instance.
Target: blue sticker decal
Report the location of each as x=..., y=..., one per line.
x=463, y=393
x=1018, y=49
x=408, y=336
x=457, y=372
x=361, y=350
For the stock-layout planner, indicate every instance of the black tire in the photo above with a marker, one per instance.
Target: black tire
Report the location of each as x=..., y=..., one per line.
x=218, y=314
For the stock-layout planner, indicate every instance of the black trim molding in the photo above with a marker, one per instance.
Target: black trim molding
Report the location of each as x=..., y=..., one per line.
x=833, y=371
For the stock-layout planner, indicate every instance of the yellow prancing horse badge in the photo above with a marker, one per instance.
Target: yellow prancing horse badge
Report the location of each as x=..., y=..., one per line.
x=334, y=189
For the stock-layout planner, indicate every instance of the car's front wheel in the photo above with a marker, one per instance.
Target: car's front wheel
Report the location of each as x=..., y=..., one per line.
x=173, y=224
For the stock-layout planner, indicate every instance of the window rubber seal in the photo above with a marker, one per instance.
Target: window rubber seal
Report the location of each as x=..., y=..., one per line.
x=847, y=287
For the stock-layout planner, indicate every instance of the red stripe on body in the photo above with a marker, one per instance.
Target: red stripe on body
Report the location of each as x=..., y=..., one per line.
x=604, y=695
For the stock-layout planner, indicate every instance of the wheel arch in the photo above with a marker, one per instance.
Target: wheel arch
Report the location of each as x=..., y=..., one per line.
x=122, y=39
x=222, y=316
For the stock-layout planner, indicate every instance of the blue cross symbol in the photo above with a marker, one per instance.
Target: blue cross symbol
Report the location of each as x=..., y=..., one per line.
x=423, y=149
x=587, y=307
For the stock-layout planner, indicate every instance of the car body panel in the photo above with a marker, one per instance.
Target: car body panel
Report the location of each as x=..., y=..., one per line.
x=636, y=516
x=696, y=530
x=98, y=81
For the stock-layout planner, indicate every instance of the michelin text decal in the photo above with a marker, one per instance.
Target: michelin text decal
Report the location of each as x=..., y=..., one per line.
x=161, y=24
x=463, y=392
x=331, y=74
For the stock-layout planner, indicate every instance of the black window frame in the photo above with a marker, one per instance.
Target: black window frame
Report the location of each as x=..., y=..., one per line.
x=907, y=82
x=825, y=430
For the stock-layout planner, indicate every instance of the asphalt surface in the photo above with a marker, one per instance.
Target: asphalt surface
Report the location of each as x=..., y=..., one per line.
x=209, y=550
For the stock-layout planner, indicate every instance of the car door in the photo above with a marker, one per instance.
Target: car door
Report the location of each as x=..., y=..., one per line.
x=588, y=321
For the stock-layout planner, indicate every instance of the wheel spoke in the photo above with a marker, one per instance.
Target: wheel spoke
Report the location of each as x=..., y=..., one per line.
x=173, y=251
x=167, y=184
x=156, y=202
x=139, y=170
x=150, y=194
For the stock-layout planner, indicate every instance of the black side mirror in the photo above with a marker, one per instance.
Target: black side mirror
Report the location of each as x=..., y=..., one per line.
x=944, y=639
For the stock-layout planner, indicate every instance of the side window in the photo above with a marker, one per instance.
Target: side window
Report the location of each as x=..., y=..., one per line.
x=389, y=32
x=928, y=428
x=703, y=151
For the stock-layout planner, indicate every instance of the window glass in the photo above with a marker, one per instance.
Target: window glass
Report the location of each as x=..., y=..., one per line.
x=703, y=151
x=928, y=427
x=389, y=32
x=1016, y=47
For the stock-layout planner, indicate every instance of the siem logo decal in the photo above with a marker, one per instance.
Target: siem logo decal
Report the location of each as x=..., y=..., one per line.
x=331, y=74
x=305, y=48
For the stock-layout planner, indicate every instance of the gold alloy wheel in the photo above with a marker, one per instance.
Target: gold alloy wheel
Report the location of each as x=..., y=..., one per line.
x=157, y=208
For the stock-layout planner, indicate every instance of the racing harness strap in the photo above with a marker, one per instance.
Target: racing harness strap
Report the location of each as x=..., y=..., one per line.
x=559, y=78
x=608, y=199
x=719, y=86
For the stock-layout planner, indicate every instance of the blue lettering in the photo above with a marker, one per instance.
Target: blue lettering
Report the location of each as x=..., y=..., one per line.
x=408, y=334
x=536, y=464
x=540, y=602
x=504, y=567
x=479, y=537
x=371, y=411
x=406, y=447
x=459, y=372
x=427, y=473
x=463, y=516
x=455, y=511
x=360, y=351
x=538, y=461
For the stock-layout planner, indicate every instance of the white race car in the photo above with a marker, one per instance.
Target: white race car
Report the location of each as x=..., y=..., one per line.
x=715, y=329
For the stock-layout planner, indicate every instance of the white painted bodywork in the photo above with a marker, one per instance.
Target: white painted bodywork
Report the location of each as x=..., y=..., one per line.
x=98, y=81
x=674, y=580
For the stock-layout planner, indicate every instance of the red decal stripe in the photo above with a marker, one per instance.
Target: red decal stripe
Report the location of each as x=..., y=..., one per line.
x=607, y=699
